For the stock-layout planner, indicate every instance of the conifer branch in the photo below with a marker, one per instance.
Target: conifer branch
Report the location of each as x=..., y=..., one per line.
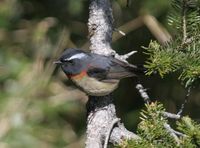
x=171, y=115
x=184, y=24
x=171, y=131
x=143, y=93
x=185, y=101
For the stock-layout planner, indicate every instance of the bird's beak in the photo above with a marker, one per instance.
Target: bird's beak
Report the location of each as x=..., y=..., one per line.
x=57, y=62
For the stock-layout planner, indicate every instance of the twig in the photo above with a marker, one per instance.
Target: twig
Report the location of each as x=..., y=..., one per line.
x=179, y=133
x=126, y=56
x=128, y=27
x=109, y=132
x=120, y=32
x=171, y=115
x=185, y=101
x=143, y=93
x=171, y=131
x=146, y=98
x=160, y=33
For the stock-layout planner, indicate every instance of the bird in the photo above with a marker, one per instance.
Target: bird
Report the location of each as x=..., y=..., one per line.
x=95, y=74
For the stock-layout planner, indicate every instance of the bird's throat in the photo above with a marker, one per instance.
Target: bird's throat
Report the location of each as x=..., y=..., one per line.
x=78, y=76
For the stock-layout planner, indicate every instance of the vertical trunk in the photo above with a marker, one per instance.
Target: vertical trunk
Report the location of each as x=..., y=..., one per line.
x=100, y=110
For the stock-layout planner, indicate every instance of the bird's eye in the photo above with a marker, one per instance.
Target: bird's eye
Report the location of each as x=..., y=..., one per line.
x=62, y=60
x=69, y=61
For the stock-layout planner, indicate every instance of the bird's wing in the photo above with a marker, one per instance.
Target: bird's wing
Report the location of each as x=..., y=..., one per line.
x=97, y=72
x=122, y=66
x=112, y=69
x=119, y=70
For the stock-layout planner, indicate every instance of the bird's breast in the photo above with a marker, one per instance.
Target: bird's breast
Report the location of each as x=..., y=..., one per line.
x=93, y=86
x=78, y=76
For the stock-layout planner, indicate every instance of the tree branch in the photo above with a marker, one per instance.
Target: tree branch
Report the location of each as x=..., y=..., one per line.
x=101, y=114
x=100, y=27
x=109, y=132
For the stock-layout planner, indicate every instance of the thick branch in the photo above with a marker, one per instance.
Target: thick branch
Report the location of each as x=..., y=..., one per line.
x=102, y=122
x=101, y=114
x=100, y=27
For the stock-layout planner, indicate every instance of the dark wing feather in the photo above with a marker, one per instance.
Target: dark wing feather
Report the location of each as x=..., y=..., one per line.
x=111, y=69
x=120, y=69
x=98, y=73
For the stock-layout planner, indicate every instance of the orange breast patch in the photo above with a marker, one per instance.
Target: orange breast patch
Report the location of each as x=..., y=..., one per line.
x=78, y=76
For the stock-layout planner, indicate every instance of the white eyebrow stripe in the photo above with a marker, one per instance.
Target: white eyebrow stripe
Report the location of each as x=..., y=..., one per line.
x=76, y=56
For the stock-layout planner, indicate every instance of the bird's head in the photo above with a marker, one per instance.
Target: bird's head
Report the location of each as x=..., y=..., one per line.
x=73, y=61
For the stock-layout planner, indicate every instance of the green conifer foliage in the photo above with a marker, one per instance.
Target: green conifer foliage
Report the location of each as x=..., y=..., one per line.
x=154, y=134
x=182, y=53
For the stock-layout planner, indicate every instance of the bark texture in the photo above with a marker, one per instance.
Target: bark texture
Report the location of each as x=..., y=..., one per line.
x=101, y=114
x=102, y=122
x=100, y=27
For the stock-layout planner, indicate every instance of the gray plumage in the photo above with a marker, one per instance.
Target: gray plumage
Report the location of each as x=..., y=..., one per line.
x=103, y=72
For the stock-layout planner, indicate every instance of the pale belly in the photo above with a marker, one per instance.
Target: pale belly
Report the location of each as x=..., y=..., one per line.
x=95, y=88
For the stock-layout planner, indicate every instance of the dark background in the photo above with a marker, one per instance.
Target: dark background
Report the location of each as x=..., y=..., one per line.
x=39, y=107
